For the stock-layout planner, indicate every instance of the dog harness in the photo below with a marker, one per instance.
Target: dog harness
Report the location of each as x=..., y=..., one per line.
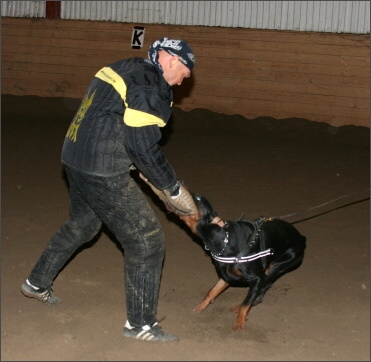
x=257, y=223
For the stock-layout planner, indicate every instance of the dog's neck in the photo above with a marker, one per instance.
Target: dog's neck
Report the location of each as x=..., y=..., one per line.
x=218, y=221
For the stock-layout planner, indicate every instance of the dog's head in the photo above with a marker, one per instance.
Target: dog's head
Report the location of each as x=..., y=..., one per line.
x=205, y=226
x=205, y=213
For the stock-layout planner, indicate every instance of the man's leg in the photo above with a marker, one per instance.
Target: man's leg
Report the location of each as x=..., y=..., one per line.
x=126, y=212
x=80, y=228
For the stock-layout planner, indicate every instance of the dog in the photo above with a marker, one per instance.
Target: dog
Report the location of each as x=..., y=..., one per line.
x=251, y=254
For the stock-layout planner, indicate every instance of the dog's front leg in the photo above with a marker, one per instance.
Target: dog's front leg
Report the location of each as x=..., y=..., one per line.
x=211, y=295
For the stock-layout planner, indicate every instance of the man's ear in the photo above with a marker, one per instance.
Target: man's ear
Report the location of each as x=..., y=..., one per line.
x=174, y=61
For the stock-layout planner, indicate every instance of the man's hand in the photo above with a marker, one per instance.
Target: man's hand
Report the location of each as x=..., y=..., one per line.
x=177, y=199
x=181, y=200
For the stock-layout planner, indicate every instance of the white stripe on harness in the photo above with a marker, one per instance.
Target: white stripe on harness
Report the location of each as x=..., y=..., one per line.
x=243, y=259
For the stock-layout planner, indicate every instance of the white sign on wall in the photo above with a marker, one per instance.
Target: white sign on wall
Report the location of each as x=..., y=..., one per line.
x=137, y=39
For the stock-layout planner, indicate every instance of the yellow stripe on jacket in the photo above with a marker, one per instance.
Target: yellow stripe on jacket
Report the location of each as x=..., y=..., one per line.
x=132, y=117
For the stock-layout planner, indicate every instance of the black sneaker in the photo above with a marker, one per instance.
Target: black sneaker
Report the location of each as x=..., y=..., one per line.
x=148, y=334
x=41, y=294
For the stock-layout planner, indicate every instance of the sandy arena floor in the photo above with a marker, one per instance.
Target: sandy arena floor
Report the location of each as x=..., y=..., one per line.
x=269, y=167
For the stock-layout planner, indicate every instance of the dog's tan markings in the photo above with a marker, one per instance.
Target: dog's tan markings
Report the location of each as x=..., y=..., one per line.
x=190, y=221
x=236, y=272
x=211, y=295
x=218, y=221
x=239, y=323
x=267, y=270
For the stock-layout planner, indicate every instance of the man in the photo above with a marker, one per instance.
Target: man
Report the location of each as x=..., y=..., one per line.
x=115, y=129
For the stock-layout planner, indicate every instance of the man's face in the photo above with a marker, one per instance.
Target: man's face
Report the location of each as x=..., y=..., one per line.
x=175, y=71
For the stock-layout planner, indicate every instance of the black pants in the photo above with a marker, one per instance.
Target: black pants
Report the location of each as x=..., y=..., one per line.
x=118, y=203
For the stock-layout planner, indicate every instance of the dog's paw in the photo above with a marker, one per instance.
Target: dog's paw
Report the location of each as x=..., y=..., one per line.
x=238, y=327
x=202, y=306
x=239, y=323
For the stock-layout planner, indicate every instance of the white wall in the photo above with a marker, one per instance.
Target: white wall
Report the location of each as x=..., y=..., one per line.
x=317, y=16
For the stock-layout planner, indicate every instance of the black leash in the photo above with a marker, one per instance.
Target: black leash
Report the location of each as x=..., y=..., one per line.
x=327, y=203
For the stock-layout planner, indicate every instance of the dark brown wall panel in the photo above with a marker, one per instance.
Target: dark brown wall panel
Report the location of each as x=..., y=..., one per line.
x=322, y=77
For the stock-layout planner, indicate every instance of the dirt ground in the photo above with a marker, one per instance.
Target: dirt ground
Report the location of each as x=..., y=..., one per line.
x=315, y=175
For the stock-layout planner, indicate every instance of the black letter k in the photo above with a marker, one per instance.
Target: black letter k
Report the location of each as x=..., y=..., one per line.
x=136, y=38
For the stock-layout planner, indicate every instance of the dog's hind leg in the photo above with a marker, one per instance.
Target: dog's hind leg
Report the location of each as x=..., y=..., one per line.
x=244, y=308
x=287, y=262
x=211, y=295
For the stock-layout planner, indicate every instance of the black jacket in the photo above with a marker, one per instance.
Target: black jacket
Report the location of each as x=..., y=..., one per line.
x=118, y=123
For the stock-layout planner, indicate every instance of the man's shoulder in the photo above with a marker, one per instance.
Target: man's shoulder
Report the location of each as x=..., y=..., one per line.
x=123, y=66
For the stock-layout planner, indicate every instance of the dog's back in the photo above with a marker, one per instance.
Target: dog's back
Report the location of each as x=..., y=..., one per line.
x=284, y=238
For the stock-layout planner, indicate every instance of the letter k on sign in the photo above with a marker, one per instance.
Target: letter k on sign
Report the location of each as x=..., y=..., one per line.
x=137, y=38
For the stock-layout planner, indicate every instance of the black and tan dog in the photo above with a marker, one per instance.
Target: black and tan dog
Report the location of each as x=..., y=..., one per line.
x=251, y=254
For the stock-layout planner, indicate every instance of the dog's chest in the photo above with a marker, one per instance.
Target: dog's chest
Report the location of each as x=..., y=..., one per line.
x=243, y=243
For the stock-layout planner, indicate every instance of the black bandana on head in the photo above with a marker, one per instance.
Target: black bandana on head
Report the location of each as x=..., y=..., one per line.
x=174, y=47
